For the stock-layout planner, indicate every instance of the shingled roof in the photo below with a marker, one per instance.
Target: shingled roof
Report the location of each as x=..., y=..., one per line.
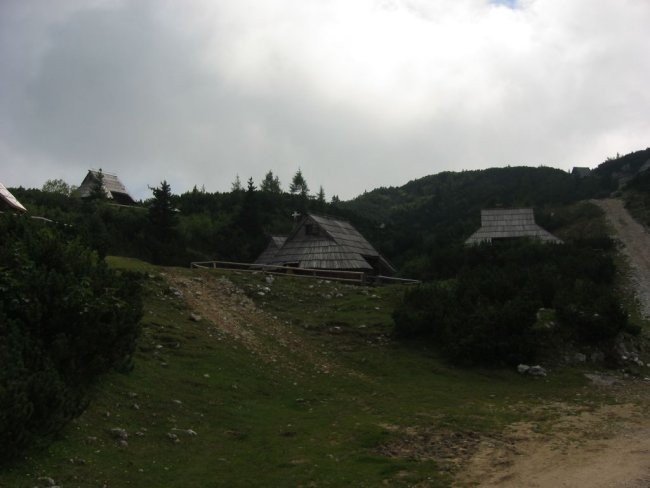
x=113, y=187
x=509, y=224
x=320, y=242
x=271, y=250
x=8, y=200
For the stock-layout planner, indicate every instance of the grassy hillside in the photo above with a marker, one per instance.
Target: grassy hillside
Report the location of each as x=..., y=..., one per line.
x=290, y=383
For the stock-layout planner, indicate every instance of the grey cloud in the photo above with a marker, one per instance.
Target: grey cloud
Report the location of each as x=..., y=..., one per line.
x=195, y=96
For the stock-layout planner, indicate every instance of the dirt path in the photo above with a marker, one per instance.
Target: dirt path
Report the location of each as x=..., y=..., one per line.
x=227, y=313
x=635, y=241
x=606, y=448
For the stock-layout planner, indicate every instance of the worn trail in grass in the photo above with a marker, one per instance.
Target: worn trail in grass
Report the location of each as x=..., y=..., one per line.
x=292, y=383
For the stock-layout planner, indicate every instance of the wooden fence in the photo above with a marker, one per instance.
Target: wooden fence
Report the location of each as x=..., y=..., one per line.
x=358, y=277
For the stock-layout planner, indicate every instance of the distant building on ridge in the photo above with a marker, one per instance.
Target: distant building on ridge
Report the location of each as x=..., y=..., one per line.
x=507, y=224
x=9, y=202
x=581, y=171
x=113, y=187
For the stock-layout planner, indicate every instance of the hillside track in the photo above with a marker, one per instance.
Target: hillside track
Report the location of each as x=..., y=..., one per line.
x=635, y=245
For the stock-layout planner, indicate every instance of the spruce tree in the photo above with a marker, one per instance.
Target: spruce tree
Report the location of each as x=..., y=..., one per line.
x=270, y=183
x=299, y=185
x=97, y=190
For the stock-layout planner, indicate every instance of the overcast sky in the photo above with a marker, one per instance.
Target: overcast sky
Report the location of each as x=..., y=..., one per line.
x=356, y=93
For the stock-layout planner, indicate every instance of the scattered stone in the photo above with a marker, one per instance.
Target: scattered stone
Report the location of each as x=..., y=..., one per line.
x=177, y=402
x=173, y=437
x=195, y=317
x=189, y=432
x=123, y=443
x=47, y=481
x=531, y=370
x=269, y=279
x=119, y=433
x=537, y=371
x=603, y=379
x=579, y=358
x=175, y=291
x=261, y=293
x=135, y=406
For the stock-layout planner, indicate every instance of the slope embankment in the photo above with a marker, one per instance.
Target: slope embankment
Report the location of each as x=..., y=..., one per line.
x=635, y=245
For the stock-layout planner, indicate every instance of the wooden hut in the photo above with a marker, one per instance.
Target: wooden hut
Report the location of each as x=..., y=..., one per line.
x=504, y=224
x=9, y=202
x=580, y=171
x=271, y=250
x=319, y=242
x=113, y=187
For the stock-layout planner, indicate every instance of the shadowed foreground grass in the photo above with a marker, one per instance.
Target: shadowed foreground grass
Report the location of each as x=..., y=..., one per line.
x=200, y=410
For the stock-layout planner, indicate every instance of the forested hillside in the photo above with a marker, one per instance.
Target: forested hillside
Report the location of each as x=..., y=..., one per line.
x=407, y=224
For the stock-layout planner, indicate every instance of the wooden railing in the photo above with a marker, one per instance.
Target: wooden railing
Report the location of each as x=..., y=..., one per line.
x=331, y=274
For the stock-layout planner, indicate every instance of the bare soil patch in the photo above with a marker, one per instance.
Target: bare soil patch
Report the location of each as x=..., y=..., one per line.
x=635, y=245
x=227, y=313
x=608, y=448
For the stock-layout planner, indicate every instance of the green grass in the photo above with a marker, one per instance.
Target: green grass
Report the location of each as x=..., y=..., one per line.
x=259, y=424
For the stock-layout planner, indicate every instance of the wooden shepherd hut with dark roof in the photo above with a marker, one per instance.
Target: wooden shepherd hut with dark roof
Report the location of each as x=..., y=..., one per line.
x=319, y=242
x=113, y=187
x=506, y=224
x=9, y=202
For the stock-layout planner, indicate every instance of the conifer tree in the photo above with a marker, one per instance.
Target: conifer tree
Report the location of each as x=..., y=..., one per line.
x=162, y=216
x=270, y=183
x=320, y=196
x=236, y=185
x=97, y=190
x=299, y=185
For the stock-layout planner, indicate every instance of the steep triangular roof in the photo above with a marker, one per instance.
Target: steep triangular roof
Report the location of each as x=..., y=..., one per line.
x=275, y=243
x=509, y=224
x=320, y=242
x=112, y=186
x=10, y=200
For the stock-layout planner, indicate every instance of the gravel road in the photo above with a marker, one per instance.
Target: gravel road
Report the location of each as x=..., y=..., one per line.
x=635, y=241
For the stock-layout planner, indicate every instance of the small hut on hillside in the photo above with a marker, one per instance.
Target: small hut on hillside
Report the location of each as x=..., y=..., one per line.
x=580, y=171
x=113, y=187
x=319, y=242
x=9, y=202
x=506, y=224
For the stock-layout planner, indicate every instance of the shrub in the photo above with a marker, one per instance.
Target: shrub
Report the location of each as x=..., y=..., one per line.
x=487, y=315
x=65, y=318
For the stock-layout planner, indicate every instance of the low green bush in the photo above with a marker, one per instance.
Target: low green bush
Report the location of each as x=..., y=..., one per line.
x=488, y=313
x=65, y=318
